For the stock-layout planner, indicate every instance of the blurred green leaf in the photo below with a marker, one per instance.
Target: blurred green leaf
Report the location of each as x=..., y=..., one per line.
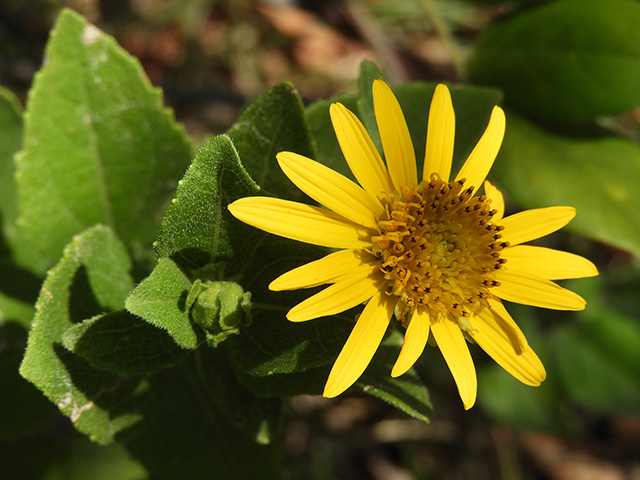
x=18, y=286
x=99, y=145
x=80, y=460
x=567, y=60
x=18, y=292
x=64, y=454
x=91, y=278
x=507, y=400
x=599, y=360
x=160, y=300
x=274, y=123
x=22, y=406
x=121, y=343
x=597, y=176
x=328, y=150
x=10, y=142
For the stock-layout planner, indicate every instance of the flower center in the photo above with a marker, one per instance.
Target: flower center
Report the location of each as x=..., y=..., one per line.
x=439, y=248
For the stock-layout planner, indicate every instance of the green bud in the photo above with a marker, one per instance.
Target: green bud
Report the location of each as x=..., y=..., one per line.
x=219, y=306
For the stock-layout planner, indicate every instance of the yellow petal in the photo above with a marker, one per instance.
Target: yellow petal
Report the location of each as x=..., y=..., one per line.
x=361, y=345
x=520, y=287
x=351, y=290
x=547, y=262
x=477, y=166
x=415, y=340
x=297, y=221
x=325, y=270
x=499, y=314
x=394, y=134
x=524, y=365
x=456, y=353
x=331, y=189
x=497, y=199
x=531, y=224
x=440, y=135
x=359, y=151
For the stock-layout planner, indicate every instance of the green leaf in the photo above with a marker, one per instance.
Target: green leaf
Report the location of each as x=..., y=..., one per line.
x=121, y=343
x=599, y=360
x=308, y=382
x=91, y=278
x=327, y=147
x=202, y=237
x=99, y=145
x=274, y=123
x=551, y=65
x=18, y=292
x=198, y=230
x=257, y=416
x=597, y=176
x=184, y=430
x=509, y=401
x=273, y=345
x=160, y=299
x=79, y=459
x=406, y=393
x=63, y=454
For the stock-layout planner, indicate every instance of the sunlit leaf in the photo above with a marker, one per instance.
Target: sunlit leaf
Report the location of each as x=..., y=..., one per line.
x=99, y=145
x=91, y=278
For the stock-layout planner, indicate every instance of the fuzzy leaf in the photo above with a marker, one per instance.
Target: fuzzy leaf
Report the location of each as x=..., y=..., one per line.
x=274, y=123
x=121, y=343
x=91, y=278
x=551, y=65
x=160, y=299
x=99, y=145
x=198, y=230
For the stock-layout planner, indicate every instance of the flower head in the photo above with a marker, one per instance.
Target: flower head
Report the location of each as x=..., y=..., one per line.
x=430, y=252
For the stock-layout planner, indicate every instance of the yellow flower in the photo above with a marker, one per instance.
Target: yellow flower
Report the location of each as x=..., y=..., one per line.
x=431, y=252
